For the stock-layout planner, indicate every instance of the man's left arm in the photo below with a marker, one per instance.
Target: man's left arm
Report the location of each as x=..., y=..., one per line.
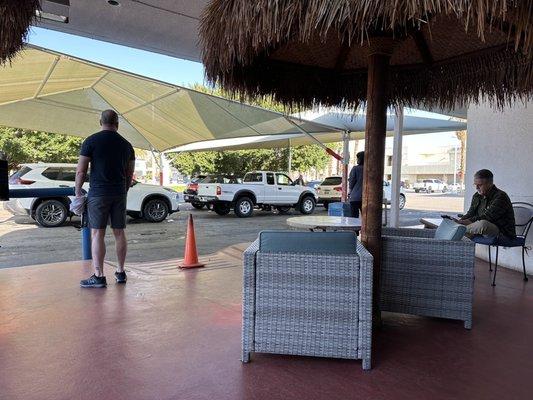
x=130, y=170
x=81, y=174
x=352, y=178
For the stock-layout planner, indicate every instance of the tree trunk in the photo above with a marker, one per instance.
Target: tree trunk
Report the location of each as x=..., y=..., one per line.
x=375, y=134
x=461, y=135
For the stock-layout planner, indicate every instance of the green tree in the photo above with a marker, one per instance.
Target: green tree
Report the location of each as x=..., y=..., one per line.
x=25, y=146
x=193, y=163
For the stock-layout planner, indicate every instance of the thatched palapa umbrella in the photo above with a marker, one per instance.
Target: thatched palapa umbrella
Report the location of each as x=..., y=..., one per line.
x=16, y=17
x=442, y=53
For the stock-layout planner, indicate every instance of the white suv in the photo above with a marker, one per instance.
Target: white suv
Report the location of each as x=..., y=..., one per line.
x=330, y=191
x=151, y=202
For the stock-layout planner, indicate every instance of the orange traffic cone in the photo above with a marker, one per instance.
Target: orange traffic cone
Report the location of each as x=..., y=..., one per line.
x=191, y=256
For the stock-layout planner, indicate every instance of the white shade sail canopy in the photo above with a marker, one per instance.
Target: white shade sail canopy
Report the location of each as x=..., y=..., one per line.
x=52, y=92
x=168, y=26
x=342, y=120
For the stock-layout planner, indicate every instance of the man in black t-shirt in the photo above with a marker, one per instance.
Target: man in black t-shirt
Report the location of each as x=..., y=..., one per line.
x=112, y=161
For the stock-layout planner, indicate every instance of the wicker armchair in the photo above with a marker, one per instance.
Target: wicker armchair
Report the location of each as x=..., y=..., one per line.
x=424, y=276
x=305, y=296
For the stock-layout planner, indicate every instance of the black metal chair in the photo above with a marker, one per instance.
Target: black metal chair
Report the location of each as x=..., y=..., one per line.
x=523, y=213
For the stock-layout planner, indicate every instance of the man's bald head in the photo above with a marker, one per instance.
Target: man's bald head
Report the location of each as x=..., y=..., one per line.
x=109, y=120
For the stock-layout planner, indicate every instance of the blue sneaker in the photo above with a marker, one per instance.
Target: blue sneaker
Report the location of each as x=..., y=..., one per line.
x=94, y=282
x=121, y=277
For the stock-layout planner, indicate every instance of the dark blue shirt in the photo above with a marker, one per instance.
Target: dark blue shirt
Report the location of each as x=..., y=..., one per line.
x=355, y=183
x=110, y=155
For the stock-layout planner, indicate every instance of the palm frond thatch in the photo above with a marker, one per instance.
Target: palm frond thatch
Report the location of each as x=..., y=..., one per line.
x=16, y=17
x=446, y=53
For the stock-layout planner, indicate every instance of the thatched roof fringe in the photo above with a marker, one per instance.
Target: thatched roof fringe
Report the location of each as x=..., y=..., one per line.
x=238, y=54
x=504, y=76
x=16, y=17
x=274, y=22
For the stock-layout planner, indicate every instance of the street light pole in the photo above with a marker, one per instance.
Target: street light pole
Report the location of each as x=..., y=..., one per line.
x=455, y=166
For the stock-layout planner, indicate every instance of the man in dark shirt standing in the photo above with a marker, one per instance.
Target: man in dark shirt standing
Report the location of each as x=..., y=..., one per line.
x=491, y=211
x=355, y=185
x=112, y=161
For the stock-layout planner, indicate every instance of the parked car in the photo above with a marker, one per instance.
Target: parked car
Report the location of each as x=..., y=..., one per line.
x=192, y=190
x=387, y=195
x=330, y=191
x=151, y=202
x=314, y=184
x=262, y=189
x=430, y=186
x=456, y=188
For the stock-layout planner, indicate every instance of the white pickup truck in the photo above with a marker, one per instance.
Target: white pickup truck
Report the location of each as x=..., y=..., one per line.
x=261, y=189
x=430, y=186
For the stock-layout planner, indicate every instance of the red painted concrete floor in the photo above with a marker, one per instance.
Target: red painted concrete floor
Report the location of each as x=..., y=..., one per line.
x=177, y=336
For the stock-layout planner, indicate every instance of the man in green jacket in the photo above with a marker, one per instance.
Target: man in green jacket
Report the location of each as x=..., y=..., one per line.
x=491, y=212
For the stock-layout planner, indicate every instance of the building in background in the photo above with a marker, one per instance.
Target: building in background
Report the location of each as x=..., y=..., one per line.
x=419, y=160
x=438, y=162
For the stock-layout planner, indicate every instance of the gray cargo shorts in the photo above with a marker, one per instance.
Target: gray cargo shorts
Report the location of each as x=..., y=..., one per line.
x=107, y=209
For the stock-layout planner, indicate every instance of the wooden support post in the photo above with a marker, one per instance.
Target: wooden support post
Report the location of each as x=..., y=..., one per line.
x=375, y=134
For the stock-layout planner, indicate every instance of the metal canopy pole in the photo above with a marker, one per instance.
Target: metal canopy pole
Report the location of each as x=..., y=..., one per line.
x=160, y=169
x=345, y=161
x=326, y=148
x=396, y=169
x=159, y=163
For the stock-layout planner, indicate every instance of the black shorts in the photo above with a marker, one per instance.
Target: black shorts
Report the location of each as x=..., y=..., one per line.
x=104, y=209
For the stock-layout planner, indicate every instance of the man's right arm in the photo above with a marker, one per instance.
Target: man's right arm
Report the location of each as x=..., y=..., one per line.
x=86, y=152
x=81, y=174
x=472, y=210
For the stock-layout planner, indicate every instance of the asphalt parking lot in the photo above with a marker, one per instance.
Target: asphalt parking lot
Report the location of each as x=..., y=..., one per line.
x=23, y=243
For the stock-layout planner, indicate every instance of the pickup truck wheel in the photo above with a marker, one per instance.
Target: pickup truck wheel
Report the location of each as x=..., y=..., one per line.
x=244, y=207
x=401, y=202
x=198, y=206
x=444, y=189
x=307, y=206
x=222, y=209
x=284, y=209
x=155, y=210
x=430, y=190
x=51, y=213
x=417, y=190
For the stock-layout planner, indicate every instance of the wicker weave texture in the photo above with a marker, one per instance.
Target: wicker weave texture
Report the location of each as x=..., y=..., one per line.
x=308, y=304
x=427, y=277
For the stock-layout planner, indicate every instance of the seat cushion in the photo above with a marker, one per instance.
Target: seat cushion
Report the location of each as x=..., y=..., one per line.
x=308, y=242
x=503, y=241
x=486, y=240
x=450, y=230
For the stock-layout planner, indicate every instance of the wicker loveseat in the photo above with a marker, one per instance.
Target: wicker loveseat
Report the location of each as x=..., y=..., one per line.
x=421, y=275
x=307, y=293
